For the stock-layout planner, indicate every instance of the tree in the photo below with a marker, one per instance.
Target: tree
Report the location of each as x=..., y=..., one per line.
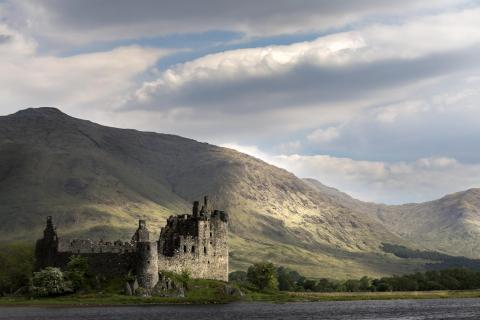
x=288, y=279
x=78, y=273
x=16, y=266
x=237, y=276
x=382, y=284
x=263, y=275
x=365, y=283
x=49, y=282
x=324, y=285
x=352, y=285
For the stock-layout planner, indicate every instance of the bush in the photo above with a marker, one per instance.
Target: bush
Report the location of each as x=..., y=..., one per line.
x=237, y=276
x=78, y=273
x=185, y=278
x=263, y=276
x=288, y=279
x=16, y=266
x=50, y=282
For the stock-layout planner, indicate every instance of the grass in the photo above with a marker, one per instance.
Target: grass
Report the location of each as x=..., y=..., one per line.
x=211, y=292
x=351, y=296
x=200, y=291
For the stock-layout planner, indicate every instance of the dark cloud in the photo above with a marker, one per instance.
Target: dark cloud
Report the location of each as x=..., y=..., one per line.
x=4, y=38
x=114, y=19
x=308, y=84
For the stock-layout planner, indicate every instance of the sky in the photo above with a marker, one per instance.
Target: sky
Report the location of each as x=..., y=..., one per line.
x=377, y=98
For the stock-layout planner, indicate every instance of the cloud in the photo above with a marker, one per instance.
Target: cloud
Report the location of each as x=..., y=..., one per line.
x=390, y=182
x=80, y=22
x=394, y=84
x=288, y=147
x=74, y=83
x=14, y=45
x=373, y=61
x=324, y=135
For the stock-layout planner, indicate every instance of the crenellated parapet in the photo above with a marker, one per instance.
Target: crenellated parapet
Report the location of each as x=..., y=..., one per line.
x=78, y=246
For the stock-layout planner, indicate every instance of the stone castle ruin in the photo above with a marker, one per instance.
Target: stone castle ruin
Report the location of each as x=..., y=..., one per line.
x=195, y=242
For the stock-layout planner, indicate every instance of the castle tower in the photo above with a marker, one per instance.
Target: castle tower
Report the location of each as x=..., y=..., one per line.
x=46, y=248
x=146, y=264
x=142, y=234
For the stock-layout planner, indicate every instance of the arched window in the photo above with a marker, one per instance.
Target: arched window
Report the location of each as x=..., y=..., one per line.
x=184, y=249
x=193, y=249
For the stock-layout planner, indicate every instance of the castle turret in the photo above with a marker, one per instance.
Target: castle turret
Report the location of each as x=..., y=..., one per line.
x=46, y=248
x=146, y=263
x=142, y=233
x=195, y=208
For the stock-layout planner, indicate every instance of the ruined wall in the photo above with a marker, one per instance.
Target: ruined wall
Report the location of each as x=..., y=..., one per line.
x=77, y=246
x=106, y=264
x=197, y=244
x=109, y=259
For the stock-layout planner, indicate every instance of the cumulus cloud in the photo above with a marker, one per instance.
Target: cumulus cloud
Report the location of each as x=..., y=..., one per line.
x=74, y=83
x=371, y=61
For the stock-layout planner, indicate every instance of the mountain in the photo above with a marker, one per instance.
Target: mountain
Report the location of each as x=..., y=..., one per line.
x=450, y=225
x=97, y=181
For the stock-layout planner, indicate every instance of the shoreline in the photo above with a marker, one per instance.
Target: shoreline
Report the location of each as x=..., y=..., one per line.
x=98, y=300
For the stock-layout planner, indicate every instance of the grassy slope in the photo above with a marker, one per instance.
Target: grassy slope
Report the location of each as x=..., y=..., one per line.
x=97, y=181
x=450, y=224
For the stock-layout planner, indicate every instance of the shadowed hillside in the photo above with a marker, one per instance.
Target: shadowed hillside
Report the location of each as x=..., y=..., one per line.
x=450, y=224
x=97, y=181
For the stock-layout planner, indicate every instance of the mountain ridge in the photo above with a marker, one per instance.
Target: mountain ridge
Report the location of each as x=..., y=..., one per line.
x=98, y=180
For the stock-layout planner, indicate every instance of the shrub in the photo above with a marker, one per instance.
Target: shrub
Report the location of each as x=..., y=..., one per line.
x=50, y=282
x=288, y=280
x=78, y=273
x=16, y=266
x=185, y=278
x=237, y=276
x=263, y=275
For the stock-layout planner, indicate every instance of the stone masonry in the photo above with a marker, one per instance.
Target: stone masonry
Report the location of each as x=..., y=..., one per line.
x=195, y=242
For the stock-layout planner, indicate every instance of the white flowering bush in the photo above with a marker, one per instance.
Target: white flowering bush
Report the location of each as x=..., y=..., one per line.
x=49, y=282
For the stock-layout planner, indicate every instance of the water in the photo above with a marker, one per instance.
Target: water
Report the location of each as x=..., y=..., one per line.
x=393, y=309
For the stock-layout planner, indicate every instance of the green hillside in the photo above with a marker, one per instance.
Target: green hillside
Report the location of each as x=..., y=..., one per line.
x=97, y=181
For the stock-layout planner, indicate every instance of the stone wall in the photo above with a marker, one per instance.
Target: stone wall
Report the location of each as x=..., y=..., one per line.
x=77, y=246
x=195, y=242
x=106, y=264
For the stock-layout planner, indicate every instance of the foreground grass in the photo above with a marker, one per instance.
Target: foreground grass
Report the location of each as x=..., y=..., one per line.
x=350, y=296
x=200, y=291
x=212, y=295
x=107, y=300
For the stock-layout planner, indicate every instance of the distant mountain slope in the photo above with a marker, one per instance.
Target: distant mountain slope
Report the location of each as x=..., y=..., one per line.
x=450, y=224
x=97, y=181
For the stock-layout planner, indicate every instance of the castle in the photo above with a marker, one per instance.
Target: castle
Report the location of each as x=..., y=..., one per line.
x=195, y=242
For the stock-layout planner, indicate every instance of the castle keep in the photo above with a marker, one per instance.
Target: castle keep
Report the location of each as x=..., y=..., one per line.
x=195, y=242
